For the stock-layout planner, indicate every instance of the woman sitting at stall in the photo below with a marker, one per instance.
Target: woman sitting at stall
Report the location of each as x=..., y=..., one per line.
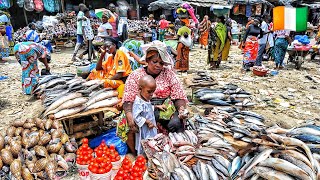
x=168, y=89
x=250, y=44
x=27, y=54
x=115, y=69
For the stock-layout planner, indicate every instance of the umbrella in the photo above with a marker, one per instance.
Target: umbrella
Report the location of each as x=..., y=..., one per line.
x=220, y=10
x=99, y=12
x=164, y=4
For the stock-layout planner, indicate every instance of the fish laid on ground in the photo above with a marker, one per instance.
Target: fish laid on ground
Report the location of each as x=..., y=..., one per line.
x=256, y=160
x=217, y=102
x=269, y=173
x=55, y=82
x=213, y=96
x=304, y=130
x=47, y=78
x=286, y=167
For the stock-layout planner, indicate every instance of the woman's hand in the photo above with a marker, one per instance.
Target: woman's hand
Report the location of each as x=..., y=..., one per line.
x=183, y=113
x=162, y=107
x=132, y=125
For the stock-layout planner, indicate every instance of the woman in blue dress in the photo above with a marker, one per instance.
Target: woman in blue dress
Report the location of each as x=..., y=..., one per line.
x=28, y=54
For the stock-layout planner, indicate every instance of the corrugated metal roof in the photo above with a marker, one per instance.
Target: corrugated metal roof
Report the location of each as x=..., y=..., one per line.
x=206, y=3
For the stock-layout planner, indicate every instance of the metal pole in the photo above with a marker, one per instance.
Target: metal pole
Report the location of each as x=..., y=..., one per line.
x=138, y=9
x=25, y=16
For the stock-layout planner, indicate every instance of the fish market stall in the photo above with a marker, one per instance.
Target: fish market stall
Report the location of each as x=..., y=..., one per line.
x=139, y=30
x=232, y=144
x=82, y=106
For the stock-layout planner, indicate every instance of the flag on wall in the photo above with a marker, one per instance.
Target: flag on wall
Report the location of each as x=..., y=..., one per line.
x=289, y=18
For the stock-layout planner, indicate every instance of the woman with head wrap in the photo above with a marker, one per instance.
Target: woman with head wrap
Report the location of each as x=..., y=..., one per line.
x=183, y=48
x=204, y=31
x=250, y=44
x=115, y=69
x=220, y=31
x=227, y=45
x=105, y=29
x=28, y=54
x=169, y=87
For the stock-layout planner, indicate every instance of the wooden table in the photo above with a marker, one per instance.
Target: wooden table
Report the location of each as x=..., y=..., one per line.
x=69, y=127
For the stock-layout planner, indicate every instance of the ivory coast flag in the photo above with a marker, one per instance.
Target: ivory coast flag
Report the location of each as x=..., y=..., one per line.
x=289, y=18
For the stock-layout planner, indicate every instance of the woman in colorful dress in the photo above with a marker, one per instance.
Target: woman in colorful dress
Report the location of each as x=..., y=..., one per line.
x=183, y=48
x=250, y=44
x=28, y=54
x=226, y=48
x=220, y=31
x=115, y=69
x=204, y=31
x=282, y=41
x=163, y=25
x=168, y=87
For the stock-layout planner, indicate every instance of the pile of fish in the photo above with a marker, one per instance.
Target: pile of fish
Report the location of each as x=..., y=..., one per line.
x=238, y=145
x=138, y=26
x=65, y=95
x=226, y=96
x=36, y=149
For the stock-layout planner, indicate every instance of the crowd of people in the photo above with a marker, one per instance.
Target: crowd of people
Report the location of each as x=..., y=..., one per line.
x=147, y=72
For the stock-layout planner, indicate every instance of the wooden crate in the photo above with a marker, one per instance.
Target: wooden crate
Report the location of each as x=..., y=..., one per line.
x=86, y=123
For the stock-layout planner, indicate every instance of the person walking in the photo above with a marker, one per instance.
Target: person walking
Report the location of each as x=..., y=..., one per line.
x=163, y=25
x=80, y=18
x=263, y=40
x=204, y=32
x=282, y=41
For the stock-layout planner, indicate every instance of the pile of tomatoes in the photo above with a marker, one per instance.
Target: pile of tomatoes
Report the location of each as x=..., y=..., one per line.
x=100, y=165
x=84, y=153
x=129, y=172
x=108, y=152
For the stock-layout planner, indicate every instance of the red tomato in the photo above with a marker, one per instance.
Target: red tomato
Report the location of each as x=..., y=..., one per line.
x=99, y=159
x=141, y=159
x=101, y=171
x=144, y=168
x=136, y=169
x=95, y=164
x=112, y=146
x=118, y=158
x=134, y=174
x=99, y=153
x=140, y=174
x=94, y=170
x=85, y=141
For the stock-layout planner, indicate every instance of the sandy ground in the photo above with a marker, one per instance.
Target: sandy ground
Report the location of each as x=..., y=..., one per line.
x=286, y=99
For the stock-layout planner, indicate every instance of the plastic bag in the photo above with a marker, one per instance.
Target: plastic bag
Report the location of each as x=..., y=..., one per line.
x=166, y=115
x=302, y=39
x=110, y=137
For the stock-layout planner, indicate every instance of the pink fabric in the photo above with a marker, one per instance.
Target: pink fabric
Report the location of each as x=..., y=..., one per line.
x=114, y=27
x=168, y=85
x=163, y=24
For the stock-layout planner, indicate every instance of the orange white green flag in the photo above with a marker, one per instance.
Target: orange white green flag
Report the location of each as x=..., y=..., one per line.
x=290, y=18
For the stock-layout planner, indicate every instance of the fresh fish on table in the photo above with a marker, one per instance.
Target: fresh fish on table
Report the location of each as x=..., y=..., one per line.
x=101, y=96
x=58, y=87
x=76, y=83
x=61, y=100
x=69, y=104
x=93, y=82
x=69, y=112
x=104, y=103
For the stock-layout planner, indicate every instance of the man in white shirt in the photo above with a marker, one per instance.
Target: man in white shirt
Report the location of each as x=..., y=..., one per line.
x=80, y=18
x=262, y=41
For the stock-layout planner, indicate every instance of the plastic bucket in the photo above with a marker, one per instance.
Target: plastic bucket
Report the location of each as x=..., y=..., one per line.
x=116, y=166
x=106, y=176
x=83, y=70
x=84, y=173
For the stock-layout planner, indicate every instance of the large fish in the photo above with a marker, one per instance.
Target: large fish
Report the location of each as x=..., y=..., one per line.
x=308, y=138
x=269, y=173
x=61, y=100
x=55, y=82
x=101, y=96
x=70, y=104
x=304, y=130
x=220, y=167
x=213, y=96
x=256, y=160
x=294, y=142
x=93, y=82
x=286, y=167
x=218, y=102
x=212, y=173
x=47, y=78
x=69, y=112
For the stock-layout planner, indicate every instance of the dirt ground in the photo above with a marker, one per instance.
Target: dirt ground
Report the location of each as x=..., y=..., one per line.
x=286, y=99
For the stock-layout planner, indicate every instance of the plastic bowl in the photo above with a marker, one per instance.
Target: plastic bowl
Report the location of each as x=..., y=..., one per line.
x=259, y=72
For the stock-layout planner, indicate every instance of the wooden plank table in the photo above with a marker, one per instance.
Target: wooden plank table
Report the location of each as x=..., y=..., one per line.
x=99, y=112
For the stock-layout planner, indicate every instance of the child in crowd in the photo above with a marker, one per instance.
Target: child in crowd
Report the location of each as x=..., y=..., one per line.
x=87, y=33
x=143, y=111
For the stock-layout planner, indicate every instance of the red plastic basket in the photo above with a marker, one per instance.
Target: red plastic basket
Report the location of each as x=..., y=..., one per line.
x=259, y=72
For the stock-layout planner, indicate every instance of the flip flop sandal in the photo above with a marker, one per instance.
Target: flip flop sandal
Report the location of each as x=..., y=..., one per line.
x=152, y=173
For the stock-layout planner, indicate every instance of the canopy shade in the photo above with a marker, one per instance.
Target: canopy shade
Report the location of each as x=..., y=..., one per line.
x=206, y=3
x=164, y=4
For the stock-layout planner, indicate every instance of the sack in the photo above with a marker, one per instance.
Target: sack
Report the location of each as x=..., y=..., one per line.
x=49, y=5
x=4, y=42
x=28, y=5
x=171, y=109
x=110, y=137
x=186, y=41
x=38, y=5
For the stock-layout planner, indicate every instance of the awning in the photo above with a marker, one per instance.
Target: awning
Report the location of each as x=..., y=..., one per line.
x=164, y=4
x=252, y=2
x=206, y=3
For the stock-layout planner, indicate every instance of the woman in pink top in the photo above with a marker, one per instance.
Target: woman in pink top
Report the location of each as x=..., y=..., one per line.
x=114, y=21
x=163, y=23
